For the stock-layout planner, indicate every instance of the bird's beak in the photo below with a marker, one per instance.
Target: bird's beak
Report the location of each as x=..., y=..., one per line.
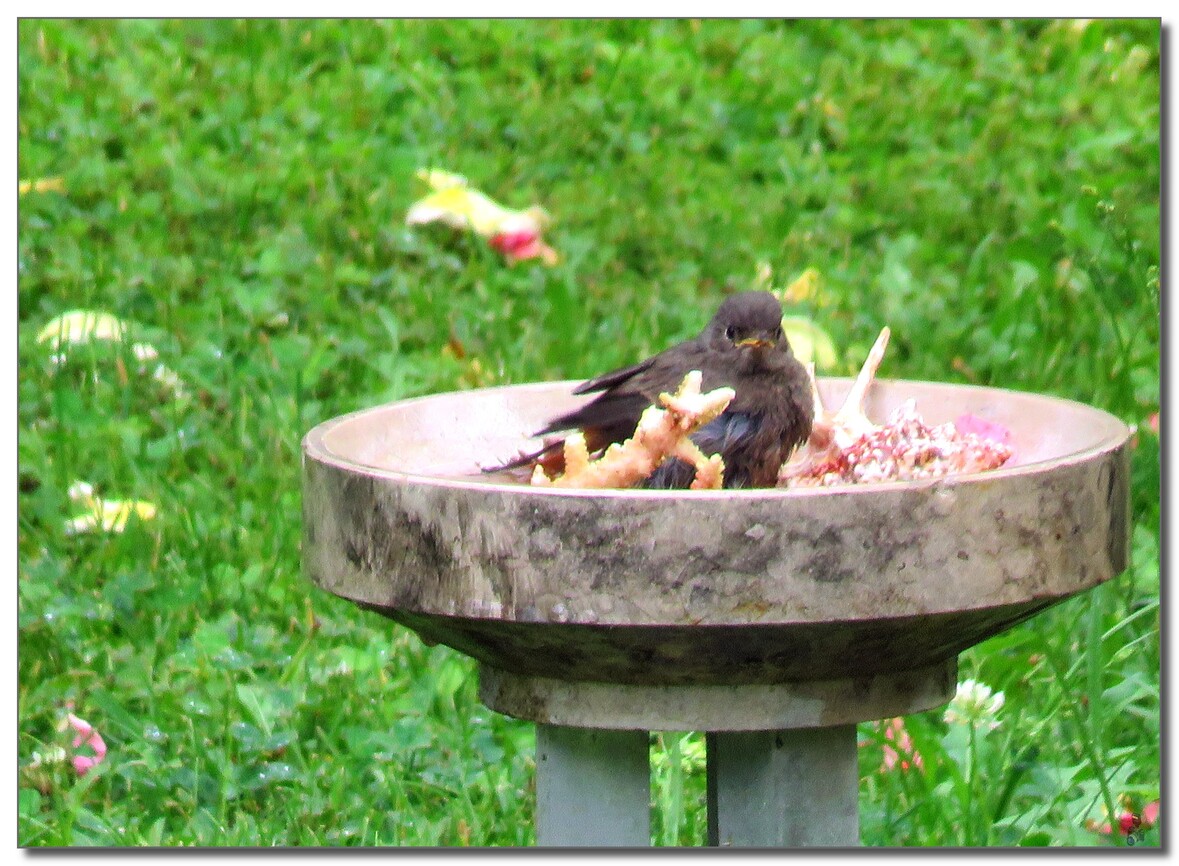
x=755, y=342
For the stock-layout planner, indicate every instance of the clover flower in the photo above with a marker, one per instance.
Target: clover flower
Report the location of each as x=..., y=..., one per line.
x=974, y=703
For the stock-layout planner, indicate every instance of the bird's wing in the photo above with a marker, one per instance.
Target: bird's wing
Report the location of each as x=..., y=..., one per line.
x=615, y=413
x=628, y=391
x=613, y=378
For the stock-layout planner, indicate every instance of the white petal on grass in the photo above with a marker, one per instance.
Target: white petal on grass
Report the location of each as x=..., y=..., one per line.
x=144, y=351
x=106, y=515
x=85, y=326
x=170, y=379
x=53, y=755
x=40, y=184
x=82, y=326
x=80, y=491
x=166, y=376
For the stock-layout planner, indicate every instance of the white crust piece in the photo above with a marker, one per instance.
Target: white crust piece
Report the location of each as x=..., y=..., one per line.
x=661, y=433
x=846, y=447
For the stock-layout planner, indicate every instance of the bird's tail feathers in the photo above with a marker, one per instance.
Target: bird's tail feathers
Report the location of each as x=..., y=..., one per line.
x=543, y=456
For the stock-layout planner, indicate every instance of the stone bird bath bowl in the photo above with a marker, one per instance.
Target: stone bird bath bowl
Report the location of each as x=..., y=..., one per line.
x=595, y=613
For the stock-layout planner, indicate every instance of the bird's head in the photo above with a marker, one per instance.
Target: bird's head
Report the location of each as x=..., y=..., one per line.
x=751, y=322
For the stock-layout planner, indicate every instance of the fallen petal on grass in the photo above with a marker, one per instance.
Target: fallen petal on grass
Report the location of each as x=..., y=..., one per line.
x=78, y=327
x=86, y=735
x=171, y=380
x=522, y=245
x=52, y=755
x=82, y=326
x=106, y=515
x=41, y=184
x=144, y=352
x=453, y=202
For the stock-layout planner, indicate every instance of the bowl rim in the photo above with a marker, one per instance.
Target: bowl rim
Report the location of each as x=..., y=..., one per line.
x=1115, y=435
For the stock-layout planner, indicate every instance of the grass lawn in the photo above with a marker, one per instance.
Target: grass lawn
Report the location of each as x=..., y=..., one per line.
x=237, y=191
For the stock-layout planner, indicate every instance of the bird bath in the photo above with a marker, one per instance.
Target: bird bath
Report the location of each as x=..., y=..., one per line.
x=772, y=619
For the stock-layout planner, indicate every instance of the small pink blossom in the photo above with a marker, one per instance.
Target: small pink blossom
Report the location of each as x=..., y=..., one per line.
x=903, y=754
x=1128, y=821
x=85, y=734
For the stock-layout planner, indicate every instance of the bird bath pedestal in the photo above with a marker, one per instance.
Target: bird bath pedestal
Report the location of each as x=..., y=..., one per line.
x=773, y=620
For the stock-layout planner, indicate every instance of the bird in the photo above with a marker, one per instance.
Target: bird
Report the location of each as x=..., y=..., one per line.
x=742, y=347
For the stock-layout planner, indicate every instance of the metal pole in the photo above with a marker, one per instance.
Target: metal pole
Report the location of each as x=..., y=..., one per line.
x=593, y=787
x=783, y=789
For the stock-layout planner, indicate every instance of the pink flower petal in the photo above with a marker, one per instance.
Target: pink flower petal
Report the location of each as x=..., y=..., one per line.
x=521, y=245
x=86, y=735
x=513, y=242
x=1150, y=814
x=904, y=754
x=517, y=245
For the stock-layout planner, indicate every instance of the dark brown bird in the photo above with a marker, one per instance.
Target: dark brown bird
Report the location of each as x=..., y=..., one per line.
x=743, y=348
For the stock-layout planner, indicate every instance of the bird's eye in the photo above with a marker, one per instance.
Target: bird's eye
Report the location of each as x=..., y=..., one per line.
x=731, y=332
